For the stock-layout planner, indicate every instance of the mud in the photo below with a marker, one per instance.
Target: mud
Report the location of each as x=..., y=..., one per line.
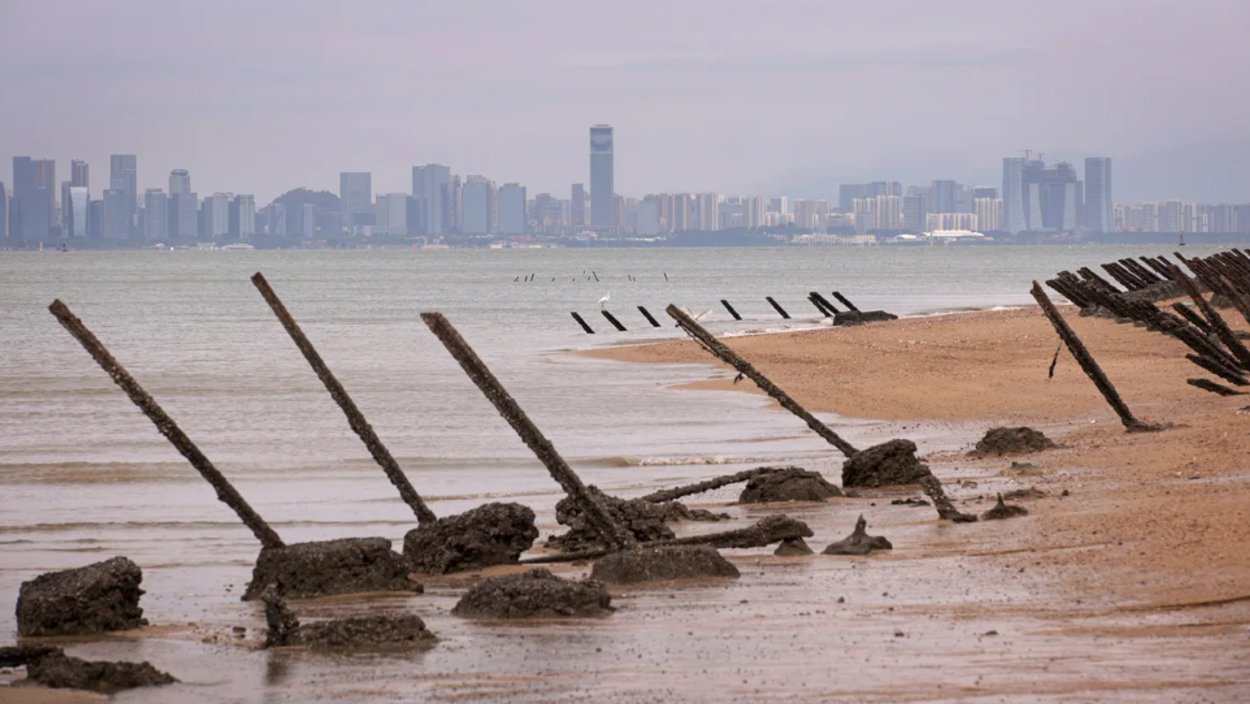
x=1011, y=441
x=320, y=568
x=492, y=534
x=787, y=484
x=353, y=633
x=945, y=507
x=1003, y=510
x=858, y=542
x=536, y=593
x=51, y=667
x=793, y=547
x=103, y=596
x=859, y=317
x=663, y=562
x=647, y=520
x=891, y=463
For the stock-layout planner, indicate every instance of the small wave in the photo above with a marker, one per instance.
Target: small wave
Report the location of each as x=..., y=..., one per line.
x=681, y=461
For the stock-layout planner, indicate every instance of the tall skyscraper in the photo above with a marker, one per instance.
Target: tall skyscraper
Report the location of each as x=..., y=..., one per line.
x=74, y=207
x=477, y=199
x=431, y=186
x=34, y=192
x=356, y=199
x=1098, y=217
x=392, y=214
x=1013, y=195
x=989, y=212
x=124, y=179
x=79, y=176
x=602, y=188
x=179, y=182
x=155, y=215
x=1052, y=197
x=215, y=216
x=4, y=212
x=707, y=208
x=943, y=195
x=512, y=216
x=242, y=217
x=577, y=206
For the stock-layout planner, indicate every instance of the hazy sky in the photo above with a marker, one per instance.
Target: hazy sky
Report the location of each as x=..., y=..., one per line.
x=752, y=97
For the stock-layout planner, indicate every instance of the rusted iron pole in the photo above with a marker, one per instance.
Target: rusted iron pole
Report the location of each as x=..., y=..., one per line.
x=1088, y=365
x=613, y=533
x=706, y=485
x=722, y=351
x=226, y=493
x=355, y=418
x=1222, y=331
x=768, y=530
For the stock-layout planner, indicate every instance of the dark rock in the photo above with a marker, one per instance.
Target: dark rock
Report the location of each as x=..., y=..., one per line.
x=792, y=547
x=356, y=632
x=945, y=507
x=858, y=542
x=325, y=567
x=1010, y=441
x=60, y=671
x=766, y=531
x=536, y=593
x=1029, y=493
x=21, y=655
x=645, y=519
x=859, y=317
x=103, y=596
x=888, y=464
x=1002, y=510
x=909, y=501
x=787, y=484
x=492, y=534
x=664, y=562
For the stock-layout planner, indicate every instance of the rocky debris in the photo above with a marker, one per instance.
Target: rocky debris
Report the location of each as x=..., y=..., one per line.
x=103, y=596
x=858, y=542
x=645, y=564
x=1003, y=510
x=787, y=484
x=51, y=667
x=491, y=534
x=945, y=507
x=356, y=632
x=859, y=317
x=909, y=501
x=1011, y=441
x=536, y=593
x=645, y=519
x=325, y=567
x=1027, y=493
x=768, y=530
x=793, y=547
x=888, y=464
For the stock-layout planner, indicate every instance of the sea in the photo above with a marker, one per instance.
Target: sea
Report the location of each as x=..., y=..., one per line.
x=84, y=475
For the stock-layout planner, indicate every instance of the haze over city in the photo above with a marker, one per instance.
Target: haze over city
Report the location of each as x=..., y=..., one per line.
x=736, y=97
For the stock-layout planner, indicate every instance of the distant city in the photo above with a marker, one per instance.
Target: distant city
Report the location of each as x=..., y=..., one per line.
x=1036, y=202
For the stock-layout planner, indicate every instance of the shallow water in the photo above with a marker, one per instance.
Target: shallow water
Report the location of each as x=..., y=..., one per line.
x=84, y=476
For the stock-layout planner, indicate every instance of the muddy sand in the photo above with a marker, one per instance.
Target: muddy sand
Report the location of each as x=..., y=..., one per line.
x=1128, y=580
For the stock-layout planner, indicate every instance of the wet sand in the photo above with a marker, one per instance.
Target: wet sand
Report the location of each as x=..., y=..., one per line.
x=1133, y=587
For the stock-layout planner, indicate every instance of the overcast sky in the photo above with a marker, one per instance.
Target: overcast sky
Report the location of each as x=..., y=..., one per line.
x=734, y=96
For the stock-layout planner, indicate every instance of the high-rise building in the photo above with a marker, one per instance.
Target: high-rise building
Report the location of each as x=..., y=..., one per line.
x=915, y=208
x=95, y=219
x=155, y=215
x=889, y=212
x=989, y=212
x=79, y=176
x=512, y=217
x=183, y=214
x=1098, y=203
x=577, y=207
x=753, y=210
x=242, y=217
x=179, y=182
x=1052, y=196
x=602, y=187
x=943, y=194
x=356, y=200
x=431, y=187
x=215, y=216
x=681, y=213
x=781, y=204
x=124, y=180
x=477, y=199
x=1014, y=220
x=649, y=216
x=935, y=222
x=984, y=192
x=707, y=210
x=34, y=194
x=392, y=214
x=4, y=212
x=75, y=203
x=119, y=214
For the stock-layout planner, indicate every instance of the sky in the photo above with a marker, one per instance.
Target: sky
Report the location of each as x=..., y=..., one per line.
x=769, y=98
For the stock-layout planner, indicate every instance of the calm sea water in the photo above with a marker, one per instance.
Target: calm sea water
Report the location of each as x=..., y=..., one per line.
x=84, y=475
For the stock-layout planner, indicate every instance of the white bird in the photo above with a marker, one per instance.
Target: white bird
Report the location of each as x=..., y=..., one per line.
x=603, y=301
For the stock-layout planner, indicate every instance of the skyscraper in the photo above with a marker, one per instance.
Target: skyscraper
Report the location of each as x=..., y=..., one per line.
x=179, y=182
x=577, y=206
x=4, y=212
x=942, y=196
x=1013, y=195
x=155, y=215
x=431, y=186
x=602, y=188
x=79, y=174
x=477, y=199
x=512, y=217
x=1098, y=205
x=34, y=191
x=1051, y=197
x=215, y=216
x=242, y=217
x=124, y=179
x=356, y=199
x=74, y=205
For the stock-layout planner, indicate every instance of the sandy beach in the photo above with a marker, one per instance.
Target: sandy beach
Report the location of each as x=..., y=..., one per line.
x=1127, y=581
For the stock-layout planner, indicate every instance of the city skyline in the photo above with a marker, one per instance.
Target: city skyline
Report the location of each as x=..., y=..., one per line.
x=767, y=99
